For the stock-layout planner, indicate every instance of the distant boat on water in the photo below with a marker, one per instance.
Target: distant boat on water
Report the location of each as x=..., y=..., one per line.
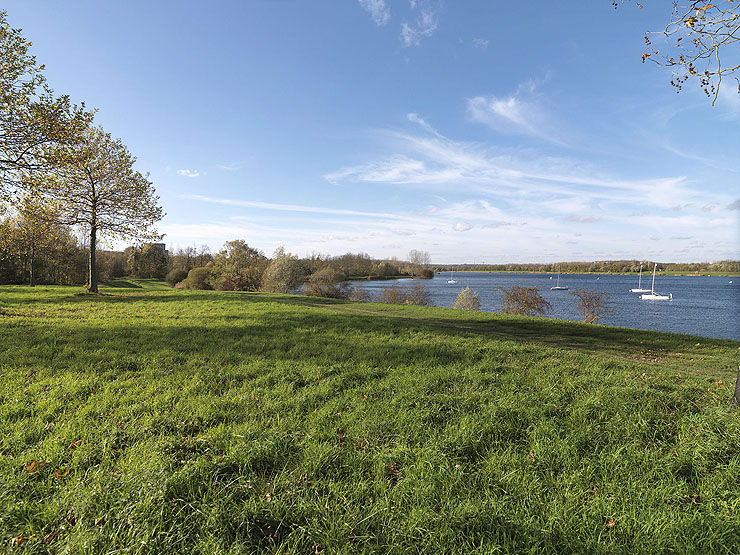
x=639, y=284
x=452, y=278
x=653, y=296
x=557, y=286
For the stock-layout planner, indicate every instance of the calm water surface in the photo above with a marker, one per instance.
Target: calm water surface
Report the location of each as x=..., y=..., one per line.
x=706, y=306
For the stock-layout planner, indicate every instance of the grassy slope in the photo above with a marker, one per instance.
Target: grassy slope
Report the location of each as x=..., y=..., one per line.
x=230, y=422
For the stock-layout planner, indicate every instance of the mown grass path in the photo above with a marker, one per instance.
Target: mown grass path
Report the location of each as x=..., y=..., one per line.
x=148, y=420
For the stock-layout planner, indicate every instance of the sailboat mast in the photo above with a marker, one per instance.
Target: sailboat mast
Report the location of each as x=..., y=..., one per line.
x=652, y=288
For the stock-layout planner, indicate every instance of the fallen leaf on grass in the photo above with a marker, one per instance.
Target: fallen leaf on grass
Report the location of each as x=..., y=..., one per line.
x=268, y=497
x=18, y=540
x=75, y=444
x=50, y=536
x=59, y=476
x=393, y=472
x=35, y=466
x=720, y=383
x=610, y=523
x=531, y=456
x=70, y=518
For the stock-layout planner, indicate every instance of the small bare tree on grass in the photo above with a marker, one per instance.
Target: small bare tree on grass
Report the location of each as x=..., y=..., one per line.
x=594, y=304
x=467, y=299
x=525, y=301
x=417, y=295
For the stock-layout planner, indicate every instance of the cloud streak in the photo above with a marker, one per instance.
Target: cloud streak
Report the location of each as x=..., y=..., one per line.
x=378, y=10
x=188, y=173
x=424, y=27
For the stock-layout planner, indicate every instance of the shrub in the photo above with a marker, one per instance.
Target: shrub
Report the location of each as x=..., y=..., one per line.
x=390, y=295
x=594, y=304
x=284, y=273
x=238, y=267
x=467, y=299
x=358, y=293
x=198, y=278
x=326, y=282
x=526, y=301
x=176, y=276
x=417, y=295
x=426, y=273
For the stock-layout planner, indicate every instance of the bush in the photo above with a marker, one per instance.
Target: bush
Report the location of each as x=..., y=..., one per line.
x=426, y=273
x=525, y=301
x=467, y=299
x=359, y=294
x=176, y=276
x=417, y=295
x=198, y=278
x=594, y=304
x=284, y=273
x=327, y=282
x=390, y=295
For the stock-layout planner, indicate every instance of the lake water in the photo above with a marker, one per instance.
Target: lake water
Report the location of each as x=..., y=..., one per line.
x=702, y=305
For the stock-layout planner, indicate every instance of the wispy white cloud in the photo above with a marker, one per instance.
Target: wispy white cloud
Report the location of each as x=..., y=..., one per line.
x=188, y=173
x=235, y=166
x=378, y=10
x=463, y=226
x=424, y=27
x=288, y=207
x=734, y=205
x=417, y=119
x=480, y=43
x=582, y=219
x=448, y=165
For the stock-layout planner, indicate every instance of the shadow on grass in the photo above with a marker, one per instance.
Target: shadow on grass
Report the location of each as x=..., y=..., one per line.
x=354, y=320
x=122, y=284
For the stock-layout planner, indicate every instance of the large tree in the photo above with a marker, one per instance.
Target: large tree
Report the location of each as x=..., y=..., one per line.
x=31, y=118
x=96, y=188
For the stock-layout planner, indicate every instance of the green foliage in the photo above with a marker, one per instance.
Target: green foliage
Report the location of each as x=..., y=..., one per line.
x=327, y=282
x=198, y=278
x=31, y=118
x=238, y=267
x=176, y=276
x=205, y=422
x=284, y=273
x=525, y=301
x=467, y=299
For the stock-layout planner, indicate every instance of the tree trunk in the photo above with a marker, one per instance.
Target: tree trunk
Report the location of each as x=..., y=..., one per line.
x=92, y=281
x=32, y=274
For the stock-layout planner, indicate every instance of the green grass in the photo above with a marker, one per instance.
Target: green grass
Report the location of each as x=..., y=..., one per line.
x=165, y=421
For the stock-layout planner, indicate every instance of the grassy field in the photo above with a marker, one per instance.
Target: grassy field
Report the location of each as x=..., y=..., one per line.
x=149, y=420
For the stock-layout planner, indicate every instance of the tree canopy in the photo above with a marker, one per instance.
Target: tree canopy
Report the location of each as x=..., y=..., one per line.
x=31, y=118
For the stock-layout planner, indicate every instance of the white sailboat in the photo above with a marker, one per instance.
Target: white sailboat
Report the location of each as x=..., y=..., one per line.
x=452, y=278
x=653, y=296
x=557, y=286
x=639, y=285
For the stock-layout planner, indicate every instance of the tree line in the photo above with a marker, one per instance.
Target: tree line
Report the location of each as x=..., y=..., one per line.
x=599, y=267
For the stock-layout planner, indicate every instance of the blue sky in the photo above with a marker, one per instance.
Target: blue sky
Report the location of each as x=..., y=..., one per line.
x=479, y=131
